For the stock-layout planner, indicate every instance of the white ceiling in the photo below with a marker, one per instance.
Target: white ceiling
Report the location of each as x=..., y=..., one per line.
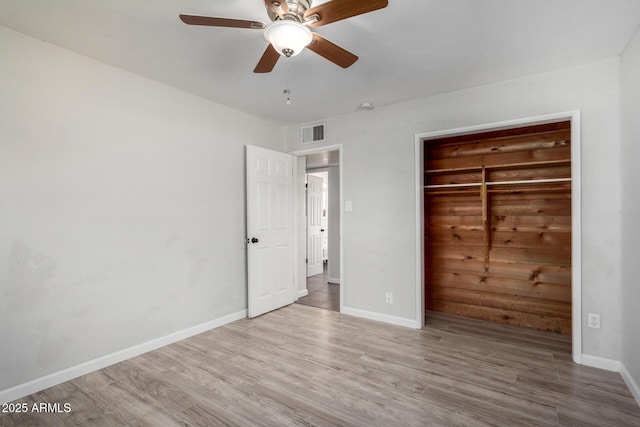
x=411, y=49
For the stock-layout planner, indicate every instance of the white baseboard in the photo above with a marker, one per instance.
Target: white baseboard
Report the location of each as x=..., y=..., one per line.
x=302, y=293
x=25, y=389
x=333, y=280
x=387, y=318
x=601, y=363
x=631, y=383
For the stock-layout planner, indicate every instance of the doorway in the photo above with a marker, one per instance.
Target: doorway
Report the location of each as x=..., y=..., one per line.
x=319, y=228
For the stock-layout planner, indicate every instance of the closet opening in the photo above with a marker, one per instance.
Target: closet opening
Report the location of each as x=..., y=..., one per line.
x=499, y=239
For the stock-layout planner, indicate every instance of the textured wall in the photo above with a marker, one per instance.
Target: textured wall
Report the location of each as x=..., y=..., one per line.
x=122, y=209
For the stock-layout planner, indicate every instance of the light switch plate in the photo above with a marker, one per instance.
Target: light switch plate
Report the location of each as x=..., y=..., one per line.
x=348, y=206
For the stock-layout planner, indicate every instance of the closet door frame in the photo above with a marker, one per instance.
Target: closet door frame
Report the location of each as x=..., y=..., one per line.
x=576, y=239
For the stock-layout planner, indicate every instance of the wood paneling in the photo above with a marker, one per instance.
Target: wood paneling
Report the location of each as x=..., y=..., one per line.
x=503, y=254
x=528, y=155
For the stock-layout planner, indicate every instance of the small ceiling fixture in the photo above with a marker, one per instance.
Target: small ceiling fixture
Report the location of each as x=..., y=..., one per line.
x=366, y=106
x=288, y=37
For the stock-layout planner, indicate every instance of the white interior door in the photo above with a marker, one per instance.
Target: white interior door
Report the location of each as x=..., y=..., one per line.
x=314, y=225
x=269, y=230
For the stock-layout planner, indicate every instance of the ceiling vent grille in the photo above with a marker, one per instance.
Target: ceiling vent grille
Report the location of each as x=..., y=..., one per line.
x=312, y=134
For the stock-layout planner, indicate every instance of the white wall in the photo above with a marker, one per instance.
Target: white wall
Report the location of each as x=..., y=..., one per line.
x=378, y=167
x=122, y=209
x=630, y=90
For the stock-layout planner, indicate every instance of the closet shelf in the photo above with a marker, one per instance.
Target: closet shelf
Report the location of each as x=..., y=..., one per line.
x=544, y=163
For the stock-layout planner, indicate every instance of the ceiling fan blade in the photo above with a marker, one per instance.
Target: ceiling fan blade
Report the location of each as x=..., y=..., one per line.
x=268, y=60
x=221, y=22
x=331, y=51
x=337, y=10
x=279, y=7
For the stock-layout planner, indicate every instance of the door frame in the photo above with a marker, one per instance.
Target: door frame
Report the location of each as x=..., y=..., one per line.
x=576, y=235
x=304, y=152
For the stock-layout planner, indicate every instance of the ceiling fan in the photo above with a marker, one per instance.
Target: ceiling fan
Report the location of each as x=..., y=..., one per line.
x=288, y=33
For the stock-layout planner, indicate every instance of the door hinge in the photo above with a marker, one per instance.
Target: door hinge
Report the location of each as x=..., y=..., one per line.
x=306, y=260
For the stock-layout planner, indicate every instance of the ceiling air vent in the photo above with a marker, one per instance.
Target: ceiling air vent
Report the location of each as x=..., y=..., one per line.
x=311, y=134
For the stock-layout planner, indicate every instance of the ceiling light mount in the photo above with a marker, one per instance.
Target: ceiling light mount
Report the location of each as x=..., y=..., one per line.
x=295, y=9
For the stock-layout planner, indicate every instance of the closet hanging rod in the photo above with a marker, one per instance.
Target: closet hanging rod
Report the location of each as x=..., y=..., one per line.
x=478, y=184
x=530, y=181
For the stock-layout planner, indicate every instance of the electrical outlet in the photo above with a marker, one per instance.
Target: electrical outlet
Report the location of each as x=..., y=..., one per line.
x=388, y=298
x=594, y=320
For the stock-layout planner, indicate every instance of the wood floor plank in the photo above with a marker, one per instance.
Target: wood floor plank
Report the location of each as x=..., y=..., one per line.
x=303, y=365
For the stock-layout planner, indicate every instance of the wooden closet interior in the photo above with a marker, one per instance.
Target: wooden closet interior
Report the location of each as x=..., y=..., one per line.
x=498, y=226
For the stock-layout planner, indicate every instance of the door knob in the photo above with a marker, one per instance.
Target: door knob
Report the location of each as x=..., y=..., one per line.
x=254, y=240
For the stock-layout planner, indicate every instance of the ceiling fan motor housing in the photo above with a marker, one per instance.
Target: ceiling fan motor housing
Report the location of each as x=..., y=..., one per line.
x=297, y=8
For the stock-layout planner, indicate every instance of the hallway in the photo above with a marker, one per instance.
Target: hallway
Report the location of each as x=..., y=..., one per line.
x=322, y=294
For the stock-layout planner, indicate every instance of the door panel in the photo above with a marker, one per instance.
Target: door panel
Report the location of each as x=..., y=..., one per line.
x=269, y=230
x=314, y=225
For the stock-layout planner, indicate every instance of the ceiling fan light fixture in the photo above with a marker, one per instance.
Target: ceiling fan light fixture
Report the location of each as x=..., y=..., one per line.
x=288, y=38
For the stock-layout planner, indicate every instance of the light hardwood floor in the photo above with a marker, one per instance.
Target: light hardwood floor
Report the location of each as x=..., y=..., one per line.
x=307, y=366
